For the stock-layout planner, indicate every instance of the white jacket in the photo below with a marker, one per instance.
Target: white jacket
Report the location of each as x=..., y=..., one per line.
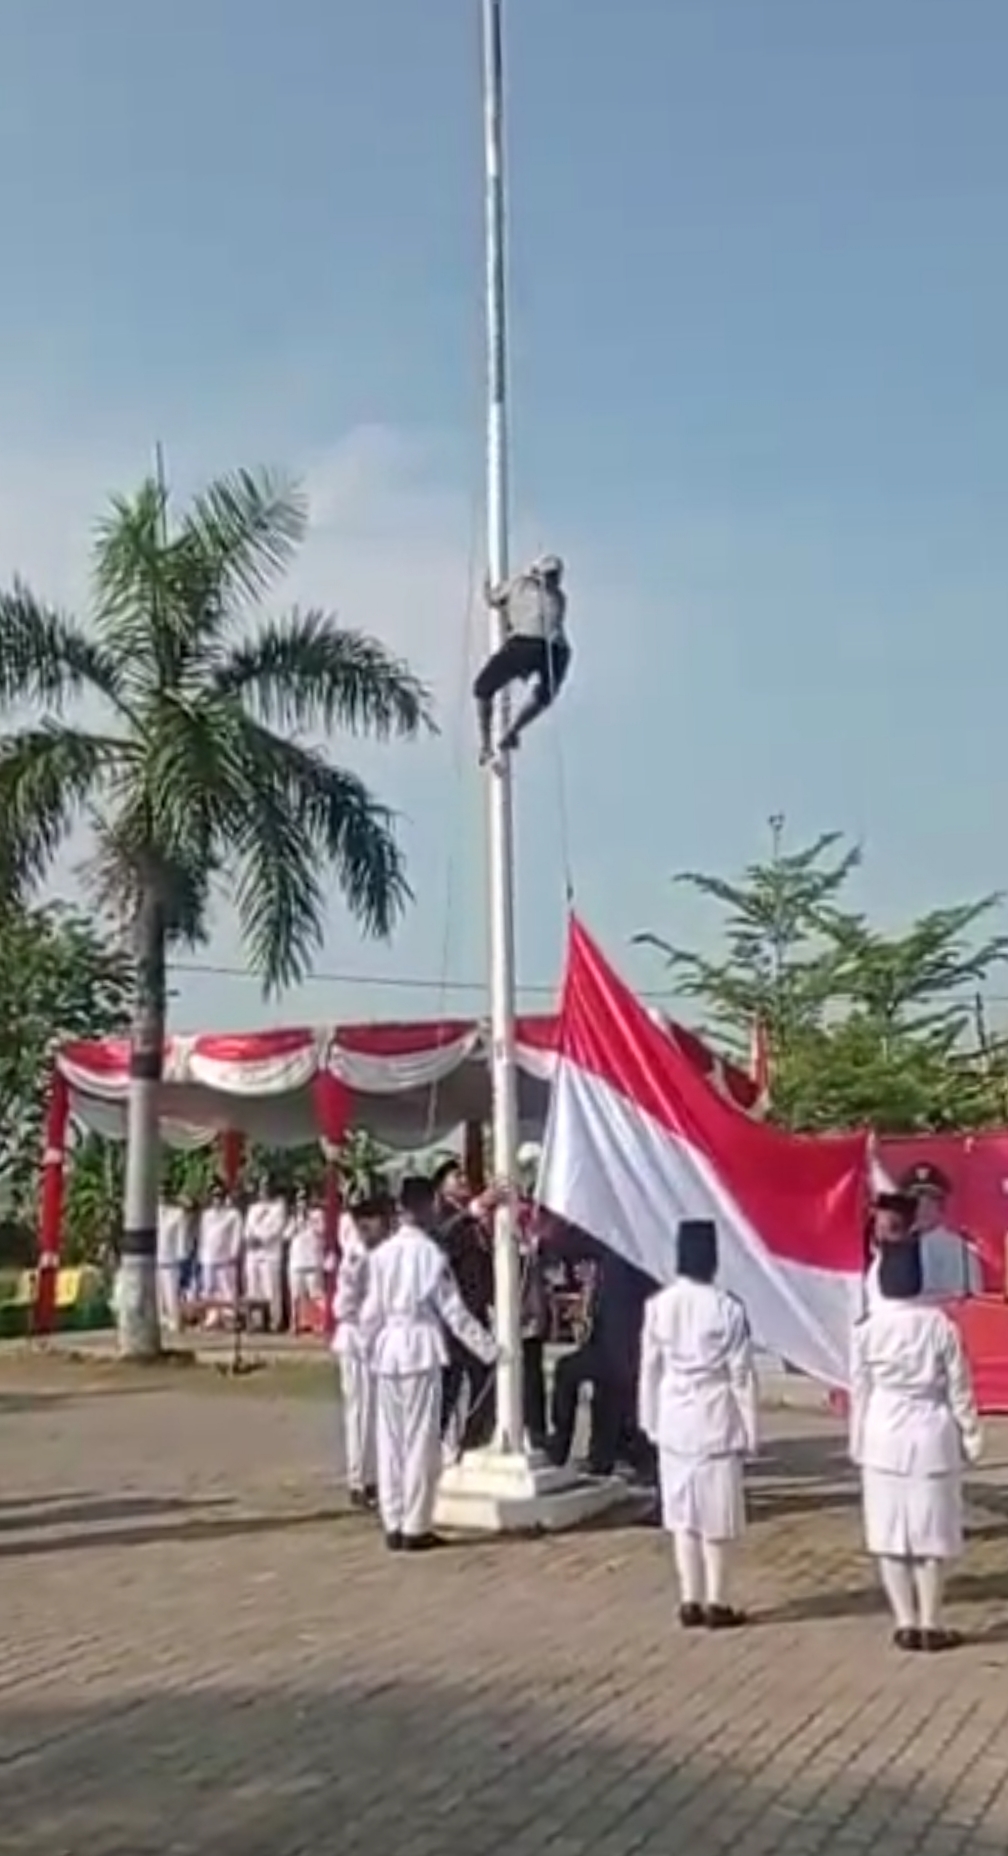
x=697, y=1392
x=265, y=1224
x=912, y=1411
x=350, y=1340
x=411, y=1298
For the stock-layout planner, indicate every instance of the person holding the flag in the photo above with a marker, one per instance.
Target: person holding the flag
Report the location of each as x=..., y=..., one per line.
x=698, y=1406
x=913, y=1423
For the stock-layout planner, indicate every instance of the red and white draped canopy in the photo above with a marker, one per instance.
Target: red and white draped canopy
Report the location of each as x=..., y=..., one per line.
x=408, y=1084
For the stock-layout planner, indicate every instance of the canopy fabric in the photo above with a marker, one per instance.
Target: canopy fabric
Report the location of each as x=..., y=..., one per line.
x=407, y=1084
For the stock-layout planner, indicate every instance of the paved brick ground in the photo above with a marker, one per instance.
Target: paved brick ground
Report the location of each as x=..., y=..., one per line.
x=200, y=1652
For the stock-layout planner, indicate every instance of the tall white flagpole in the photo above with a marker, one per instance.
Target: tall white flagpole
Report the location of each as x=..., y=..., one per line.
x=507, y=1487
x=500, y=833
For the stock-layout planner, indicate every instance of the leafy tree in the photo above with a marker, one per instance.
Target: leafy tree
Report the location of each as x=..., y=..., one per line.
x=202, y=771
x=59, y=979
x=862, y=1027
x=780, y=961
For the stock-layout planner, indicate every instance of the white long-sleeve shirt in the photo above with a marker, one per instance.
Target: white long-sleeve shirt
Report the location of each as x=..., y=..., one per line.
x=220, y=1235
x=305, y=1233
x=412, y=1297
x=172, y=1235
x=697, y=1386
x=912, y=1411
x=265, y=1224
x=350, y=1341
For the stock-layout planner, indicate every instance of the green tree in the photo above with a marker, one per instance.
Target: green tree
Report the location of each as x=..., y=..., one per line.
x=779, y=961
x=59, y=979
x=204, y=768
x=863, y=1027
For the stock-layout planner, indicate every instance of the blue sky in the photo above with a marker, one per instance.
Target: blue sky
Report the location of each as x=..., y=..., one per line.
x=759, y=294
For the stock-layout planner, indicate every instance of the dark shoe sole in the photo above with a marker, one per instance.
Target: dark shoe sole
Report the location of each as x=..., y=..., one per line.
x=692, y=1617
x=932, y=1642
x=394, y=1543
x=907, y=1640
x=723, y=1617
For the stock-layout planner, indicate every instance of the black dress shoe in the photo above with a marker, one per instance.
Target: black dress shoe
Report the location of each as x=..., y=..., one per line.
x=692, y=1617
x=907, y=1639
x=371, y=1496
x=933, y=1641
x=420, y=1543
x=723, y=1617
x=394, y=1543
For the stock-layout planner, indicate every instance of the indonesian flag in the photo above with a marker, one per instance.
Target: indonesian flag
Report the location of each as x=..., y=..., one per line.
x=638, y=1140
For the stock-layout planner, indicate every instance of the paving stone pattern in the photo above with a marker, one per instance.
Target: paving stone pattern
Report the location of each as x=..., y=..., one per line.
x=200, y=1651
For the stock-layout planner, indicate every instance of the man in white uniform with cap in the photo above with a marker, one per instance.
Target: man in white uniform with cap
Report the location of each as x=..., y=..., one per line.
x=411, y=1298
x=174, y=1218
x=697, y=1403
x=913, y=1423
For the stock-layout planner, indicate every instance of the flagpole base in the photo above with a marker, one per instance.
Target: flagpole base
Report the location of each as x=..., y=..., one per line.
x=519, y=1492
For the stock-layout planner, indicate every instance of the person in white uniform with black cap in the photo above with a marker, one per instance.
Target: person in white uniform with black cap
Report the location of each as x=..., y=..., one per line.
x=411, y=1298
x=913, y=1424
x=536, y=650
x=698, y=1405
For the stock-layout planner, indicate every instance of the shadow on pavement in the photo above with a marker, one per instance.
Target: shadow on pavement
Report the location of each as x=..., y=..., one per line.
x=194, y=1527
x=424, y=1770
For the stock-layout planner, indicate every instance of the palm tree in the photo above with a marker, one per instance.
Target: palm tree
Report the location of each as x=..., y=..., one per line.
x=204, y=769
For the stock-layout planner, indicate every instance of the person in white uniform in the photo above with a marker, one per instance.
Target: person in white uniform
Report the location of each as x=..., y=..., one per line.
x=411, y=1298
x=913, y=1424
x=172, y=1254
x=265, y=1227
x=360, y=1232
x=697, y=1403
x=305, y=1239
x=220, y=1247
x=536, y=650
x=949, y=1262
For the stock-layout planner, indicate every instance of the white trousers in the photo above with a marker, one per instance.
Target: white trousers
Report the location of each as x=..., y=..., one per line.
x=306, y=1284
x=408, y=1436
x=219, y=1282
x=264, y=1282
x=359, y=1440
x=169, y=1288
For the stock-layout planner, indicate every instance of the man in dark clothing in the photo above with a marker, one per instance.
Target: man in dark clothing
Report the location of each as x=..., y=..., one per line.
x=471, y=1257
x=608, y=1360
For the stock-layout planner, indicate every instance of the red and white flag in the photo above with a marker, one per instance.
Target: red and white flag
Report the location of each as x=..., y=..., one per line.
x=637, y=1140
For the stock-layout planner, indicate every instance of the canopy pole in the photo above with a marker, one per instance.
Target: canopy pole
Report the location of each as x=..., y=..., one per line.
x=500, y=822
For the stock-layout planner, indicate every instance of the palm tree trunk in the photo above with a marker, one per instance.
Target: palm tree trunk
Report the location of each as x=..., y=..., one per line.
x=139, y=1326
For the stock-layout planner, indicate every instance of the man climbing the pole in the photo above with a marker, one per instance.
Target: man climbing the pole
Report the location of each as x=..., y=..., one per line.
x=535, y=650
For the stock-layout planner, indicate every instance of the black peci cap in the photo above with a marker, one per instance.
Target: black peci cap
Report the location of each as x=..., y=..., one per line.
x=900, y=1275
x=697, y=1249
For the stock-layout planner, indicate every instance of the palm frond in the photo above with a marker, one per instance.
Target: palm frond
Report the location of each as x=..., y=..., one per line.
x=48, y=775
x=246, y=527
x=133, y=579
x=306, y=671
x=126, y=865
x=46, y=659
x=301, y=815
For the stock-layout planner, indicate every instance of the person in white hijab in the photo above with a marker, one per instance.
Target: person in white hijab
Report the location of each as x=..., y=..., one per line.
x=697, y=1404
x=913, y=1424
